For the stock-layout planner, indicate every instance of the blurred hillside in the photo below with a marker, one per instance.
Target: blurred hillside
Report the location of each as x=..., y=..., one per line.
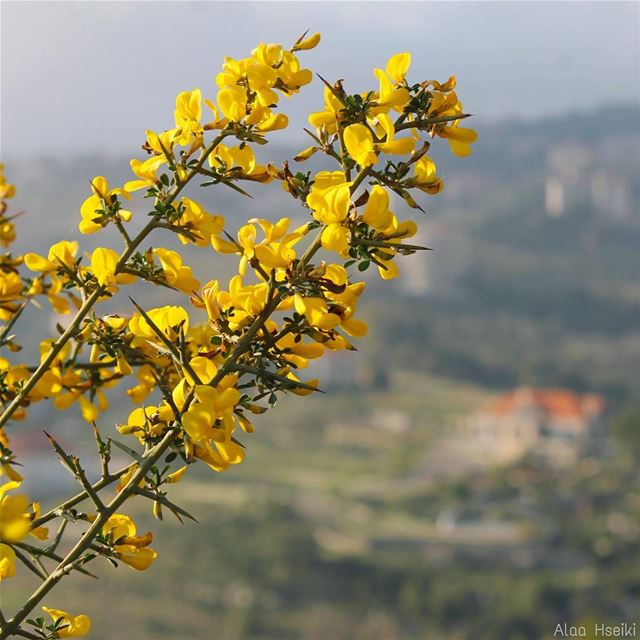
x=366, y=513
x=401, y=535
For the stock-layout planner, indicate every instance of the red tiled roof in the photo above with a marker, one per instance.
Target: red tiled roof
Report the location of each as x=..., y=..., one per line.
x=556, y=403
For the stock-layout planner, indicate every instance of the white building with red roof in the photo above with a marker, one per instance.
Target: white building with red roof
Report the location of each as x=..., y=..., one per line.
x=556, y=424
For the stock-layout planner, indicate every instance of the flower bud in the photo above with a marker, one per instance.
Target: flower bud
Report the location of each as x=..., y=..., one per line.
x=308, y=43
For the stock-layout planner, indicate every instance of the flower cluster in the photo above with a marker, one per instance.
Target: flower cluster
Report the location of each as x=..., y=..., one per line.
x=11, y=285
x=200, y=369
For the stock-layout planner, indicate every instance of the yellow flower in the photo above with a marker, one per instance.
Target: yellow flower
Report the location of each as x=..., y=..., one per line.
x=426, y=178
x=7, y=561
x=170, y=320
x=261, y=78
x=146, y=172
x=391, y=145
x=7, y=233
x=335, y=237
x=268, y=54
x=297, y=352
x=360, y=144
x=358, y=140
x=330, y=202
x=187, y=117
x=70, y=626
x=131, y=549
x=233, y=103
x=388, y=270
x=291, y=76
x=175, y=273
x=305, y=154
x=343, y=303
x=207, y=300
x=209, y=423
x=398, y=65
x=274, y=252
x=445, y=87
x=239, y=162
x=15, y=521
x=274, y=122
x=316, y=311
x=60, y=254
x=376, y=213
x=125, y=478
x=243, y=302
x=101, y=199
x=161, y=143
x=444, y=102
x=91, y=410
x=6, y=457
x=390, y=96
x=332, y=114
x=10, y=290
x=6, y=190
x=200, y=224
x=149, y=421
x=459, y=138
x=103, y=264
x=198, y=423
x=307, y=43
x=176, y=476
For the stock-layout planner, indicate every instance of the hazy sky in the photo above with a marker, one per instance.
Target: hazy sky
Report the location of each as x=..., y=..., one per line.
x=80, y=76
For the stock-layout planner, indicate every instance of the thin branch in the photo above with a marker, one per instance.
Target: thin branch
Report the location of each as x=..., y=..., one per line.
x=11, y=322
x=78, y=498
x=82, y=477
x=30, y=565
x=264, y=373
x=103, y=451
x=428, y=122
x=26, y=634
x=391, y=245
x=163, y=500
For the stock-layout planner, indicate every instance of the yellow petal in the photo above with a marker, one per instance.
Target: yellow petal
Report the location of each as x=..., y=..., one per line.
x=398, y=65
x=308, y=43
x=176, y=476
x=36, y=262
x=139, y=559
x=359, y=142
x=233, y=102
x=335, y=237
x=230, y=452
x=103, y=264
x=355, y=328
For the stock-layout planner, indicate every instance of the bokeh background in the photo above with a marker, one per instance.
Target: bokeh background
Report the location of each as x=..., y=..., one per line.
x=472, y=472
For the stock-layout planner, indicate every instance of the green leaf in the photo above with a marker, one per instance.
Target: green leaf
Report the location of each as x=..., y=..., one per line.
x=130, y=452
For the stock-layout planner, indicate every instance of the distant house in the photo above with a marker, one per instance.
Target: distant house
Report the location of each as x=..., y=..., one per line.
x=555, y=424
